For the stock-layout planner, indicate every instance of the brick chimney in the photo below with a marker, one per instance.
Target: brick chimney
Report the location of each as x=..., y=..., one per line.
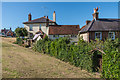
x=29, y=17
x=95, y=14
x=54, y=16
x=47, y=22
x=87, y=22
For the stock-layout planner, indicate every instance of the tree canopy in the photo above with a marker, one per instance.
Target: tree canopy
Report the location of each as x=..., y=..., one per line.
x=21, y=32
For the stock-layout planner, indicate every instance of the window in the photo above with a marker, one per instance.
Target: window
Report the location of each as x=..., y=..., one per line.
x=111, y=35
x=56, y=36
x=31, y=27
x=50, y=23
x=98, y=35
x=53, y=24
x=73, y=36
x=40, y=26
x=44, y=24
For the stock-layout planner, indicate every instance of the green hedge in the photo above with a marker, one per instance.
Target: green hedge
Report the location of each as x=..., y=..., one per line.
x=80, y=56
x=111, y=60
x=19, y=41
x=62, y=49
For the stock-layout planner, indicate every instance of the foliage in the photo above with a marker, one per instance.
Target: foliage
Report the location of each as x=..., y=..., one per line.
x=80, y=55
x=111, y=60
x=19, y=41
x=21, y=32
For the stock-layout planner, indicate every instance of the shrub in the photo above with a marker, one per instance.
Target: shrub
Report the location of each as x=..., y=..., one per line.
x=19, y=41
x=80, y=56
x=111, y=60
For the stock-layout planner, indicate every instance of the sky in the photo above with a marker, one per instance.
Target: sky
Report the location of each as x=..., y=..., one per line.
x=67, y=13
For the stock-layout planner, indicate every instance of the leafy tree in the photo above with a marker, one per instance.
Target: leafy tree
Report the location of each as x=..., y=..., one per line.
x=21, y=32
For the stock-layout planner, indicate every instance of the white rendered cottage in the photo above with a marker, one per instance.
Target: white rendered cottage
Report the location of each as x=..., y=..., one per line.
x=50, y=28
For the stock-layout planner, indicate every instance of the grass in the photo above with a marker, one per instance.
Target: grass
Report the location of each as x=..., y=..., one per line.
x=20, y=62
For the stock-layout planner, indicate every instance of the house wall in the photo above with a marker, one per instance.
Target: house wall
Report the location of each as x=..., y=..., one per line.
x=73, y=39
x=85, y=36
x=104, y=35
x=36, y=27
x=9, y=33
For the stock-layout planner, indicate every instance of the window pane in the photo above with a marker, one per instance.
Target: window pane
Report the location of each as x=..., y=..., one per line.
x=111, y=35
x=31, y=28
x=98, y=35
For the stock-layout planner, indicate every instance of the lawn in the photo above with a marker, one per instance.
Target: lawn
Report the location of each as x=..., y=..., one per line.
x=20, y=62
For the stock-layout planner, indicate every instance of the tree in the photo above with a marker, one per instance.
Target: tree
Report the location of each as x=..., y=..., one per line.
x=21, y=32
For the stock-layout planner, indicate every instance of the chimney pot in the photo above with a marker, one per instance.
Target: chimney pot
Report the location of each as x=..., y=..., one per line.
x=47, y=21
x=29, y=17
x=87, y=22
x=95, y=15
x=54, y=16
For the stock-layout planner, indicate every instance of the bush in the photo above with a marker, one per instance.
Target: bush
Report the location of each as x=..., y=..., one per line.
x=111, y=60
x=19, y=41
x=80, y=56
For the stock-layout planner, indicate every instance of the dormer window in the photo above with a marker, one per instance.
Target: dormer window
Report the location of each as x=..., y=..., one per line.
x=111, y=35
x=98, y=35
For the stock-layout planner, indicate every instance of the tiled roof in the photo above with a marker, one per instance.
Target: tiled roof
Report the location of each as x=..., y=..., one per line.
x=63, y=29
x=102, y=25
x=39, y=20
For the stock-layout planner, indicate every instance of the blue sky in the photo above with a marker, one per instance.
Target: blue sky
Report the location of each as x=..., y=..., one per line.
x=67, y=13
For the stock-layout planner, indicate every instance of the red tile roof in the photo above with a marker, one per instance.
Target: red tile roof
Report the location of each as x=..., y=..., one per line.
x=82, y=27
x=64, y=29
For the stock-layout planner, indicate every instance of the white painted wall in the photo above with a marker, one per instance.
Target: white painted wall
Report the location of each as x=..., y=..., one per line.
x=73, y=39
x=84, y=36
x=36, y=28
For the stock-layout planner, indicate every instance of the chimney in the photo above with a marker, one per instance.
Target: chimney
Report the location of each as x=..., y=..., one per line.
x=47, y=22
x=95, y=14
x=87, y=22
x=54, y=16
x=29, y=17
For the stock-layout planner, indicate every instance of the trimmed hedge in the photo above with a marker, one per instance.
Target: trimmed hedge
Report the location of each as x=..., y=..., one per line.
x=111, y=60
x=80, y=56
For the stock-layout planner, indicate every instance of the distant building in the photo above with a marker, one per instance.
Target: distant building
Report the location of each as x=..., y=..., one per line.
x=100, y=28
x=7, y=32
x=51, y=28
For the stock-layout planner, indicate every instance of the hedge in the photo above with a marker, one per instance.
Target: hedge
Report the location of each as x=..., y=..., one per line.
x=80, y=56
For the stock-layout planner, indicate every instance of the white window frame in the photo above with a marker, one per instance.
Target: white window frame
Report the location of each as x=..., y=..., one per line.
x=100, y=35
x=30, y=28
x=113, y=36
x=40, y=26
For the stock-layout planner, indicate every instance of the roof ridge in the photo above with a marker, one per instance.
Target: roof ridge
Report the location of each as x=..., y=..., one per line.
x=64, y=25
x=91, y=24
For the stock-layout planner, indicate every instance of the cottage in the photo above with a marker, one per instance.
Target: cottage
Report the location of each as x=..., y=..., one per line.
x=50, y=28
x=7, y=32
x=100, y=28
